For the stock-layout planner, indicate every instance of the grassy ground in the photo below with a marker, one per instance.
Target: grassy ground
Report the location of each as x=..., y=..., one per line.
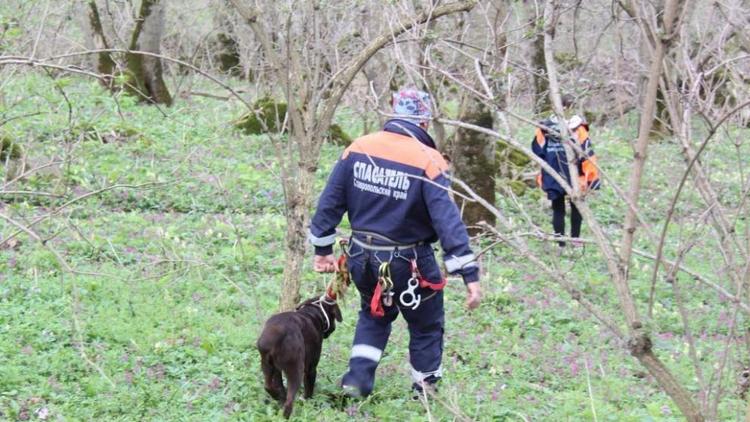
x=185, y=270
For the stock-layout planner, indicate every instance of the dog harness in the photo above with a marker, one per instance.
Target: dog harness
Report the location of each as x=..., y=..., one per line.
x=328, y=301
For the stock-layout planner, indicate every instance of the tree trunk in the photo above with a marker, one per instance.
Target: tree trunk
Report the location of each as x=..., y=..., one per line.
x=541, y=83
x=379, y=75
x=228, y=54
x=297, y=215
x=105, y=64
x=474, y=161
x=145, y=73
x=661, y=128
x=227, y=48
x=298, y=187
x=640, y=343
x=541, y=100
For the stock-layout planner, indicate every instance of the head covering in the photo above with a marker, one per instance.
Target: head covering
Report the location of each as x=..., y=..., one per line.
x=575, y=121
x=412, y=105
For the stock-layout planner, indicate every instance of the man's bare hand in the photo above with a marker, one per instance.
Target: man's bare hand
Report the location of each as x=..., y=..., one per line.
x=325, y=264
x=473, y=295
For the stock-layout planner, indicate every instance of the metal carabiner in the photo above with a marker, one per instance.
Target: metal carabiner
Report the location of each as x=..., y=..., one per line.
x=384, y=278
x=415, y=299
x=384, y=275
x=388, y=298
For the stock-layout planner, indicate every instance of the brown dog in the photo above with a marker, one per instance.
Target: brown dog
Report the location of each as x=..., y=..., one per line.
x=290, y=343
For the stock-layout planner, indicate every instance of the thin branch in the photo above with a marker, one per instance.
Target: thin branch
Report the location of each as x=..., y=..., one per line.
x=20, y=60
x=29, y=193
x=21, y=116
x=60, y=208
x=673, y=204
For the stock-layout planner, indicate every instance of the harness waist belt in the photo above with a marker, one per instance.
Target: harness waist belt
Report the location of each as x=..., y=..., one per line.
x=372, y=235
x=386, y=248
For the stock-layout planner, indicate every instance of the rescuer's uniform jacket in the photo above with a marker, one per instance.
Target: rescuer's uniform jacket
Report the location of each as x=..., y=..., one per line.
x=549, y=147
x=391, y=183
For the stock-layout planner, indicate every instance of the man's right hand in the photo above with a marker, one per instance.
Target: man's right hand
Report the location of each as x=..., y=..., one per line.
x=325, y=263
x=473, y=295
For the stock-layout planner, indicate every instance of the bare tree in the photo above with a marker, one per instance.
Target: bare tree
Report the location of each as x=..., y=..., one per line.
x=665, y=28
x=313, y=85
x=640, y=343
x=700, y=71
x=226, y=45
x=145, y=73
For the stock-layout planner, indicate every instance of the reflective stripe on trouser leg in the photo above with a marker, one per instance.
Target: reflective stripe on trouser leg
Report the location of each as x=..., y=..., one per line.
x=367, y=352
x=370, y=338
x=371, y=334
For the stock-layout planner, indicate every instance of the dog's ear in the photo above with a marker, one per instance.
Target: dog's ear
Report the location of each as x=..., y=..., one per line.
x=337, y=312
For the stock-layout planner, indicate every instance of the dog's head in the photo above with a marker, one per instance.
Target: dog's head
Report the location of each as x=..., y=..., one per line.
x=328, y=312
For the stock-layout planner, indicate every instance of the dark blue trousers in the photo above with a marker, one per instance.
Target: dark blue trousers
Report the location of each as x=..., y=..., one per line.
x=426, y=323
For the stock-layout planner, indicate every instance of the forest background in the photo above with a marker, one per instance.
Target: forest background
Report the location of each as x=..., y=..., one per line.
x=160, y=160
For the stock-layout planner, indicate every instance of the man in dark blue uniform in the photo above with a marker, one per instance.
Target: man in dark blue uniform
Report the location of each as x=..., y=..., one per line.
x=392, y=184
x=549, y=147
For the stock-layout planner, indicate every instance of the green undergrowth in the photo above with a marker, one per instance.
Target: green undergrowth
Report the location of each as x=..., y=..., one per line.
x=178, y=269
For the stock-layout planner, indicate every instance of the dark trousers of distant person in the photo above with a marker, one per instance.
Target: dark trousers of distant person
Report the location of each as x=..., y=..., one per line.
x=558, y=219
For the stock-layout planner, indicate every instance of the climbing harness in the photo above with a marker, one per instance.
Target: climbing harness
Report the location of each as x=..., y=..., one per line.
x=384, y=248
x=382, y=296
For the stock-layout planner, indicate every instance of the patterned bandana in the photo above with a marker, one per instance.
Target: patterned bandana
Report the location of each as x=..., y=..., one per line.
x=411, y=102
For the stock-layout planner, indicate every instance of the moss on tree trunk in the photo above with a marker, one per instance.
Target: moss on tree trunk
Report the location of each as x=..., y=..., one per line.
x=11, y=158
x=226, y=47
x=475, y=163
x=228, y=54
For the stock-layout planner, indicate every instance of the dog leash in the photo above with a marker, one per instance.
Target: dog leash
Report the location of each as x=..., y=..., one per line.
x=325, y=299
x=341, y=280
